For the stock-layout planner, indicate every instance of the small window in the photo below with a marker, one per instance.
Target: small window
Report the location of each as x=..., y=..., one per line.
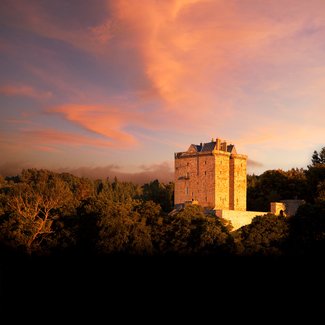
x=186, y=190
x=205, y=173
x=205, y=162
x=188, y=164
x=206, y=198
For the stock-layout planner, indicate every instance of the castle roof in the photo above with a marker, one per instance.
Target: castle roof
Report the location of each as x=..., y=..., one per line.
x=231, y=148
x=209, y=147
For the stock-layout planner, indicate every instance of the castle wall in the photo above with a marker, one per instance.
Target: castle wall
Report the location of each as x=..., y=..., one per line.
x=181, y=181
x=289, y=207
x=276, y=207
x=221, y=179
x=237, y=182
x=205, y=181
x=194, y=179
x=239, y=218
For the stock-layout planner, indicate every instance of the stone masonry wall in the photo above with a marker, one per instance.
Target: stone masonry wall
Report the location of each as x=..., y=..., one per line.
x=194, y=179
x=221, y=179
x=239, y=218
x=215, y=179
x=237, y=180
x=205, y=181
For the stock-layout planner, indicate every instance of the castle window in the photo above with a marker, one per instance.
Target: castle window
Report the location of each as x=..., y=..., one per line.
x=205, y=162
x=205, y=173
x=206, y=198
x=188, y=164
x=186, y=190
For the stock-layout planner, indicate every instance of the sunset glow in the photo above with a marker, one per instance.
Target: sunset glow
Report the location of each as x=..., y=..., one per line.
x=97, y=86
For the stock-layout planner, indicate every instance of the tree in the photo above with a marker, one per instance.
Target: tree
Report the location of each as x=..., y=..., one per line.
x=266, y=235
x=123, y=230
x=159, y=193
x=275, y=185
x=191, y=232
x=318, y=157
x=307, y=230
x=320, y=191
x=31, y=209
x=316, y=177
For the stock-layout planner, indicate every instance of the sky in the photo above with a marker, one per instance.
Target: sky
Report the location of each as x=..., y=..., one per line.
x=101, y=88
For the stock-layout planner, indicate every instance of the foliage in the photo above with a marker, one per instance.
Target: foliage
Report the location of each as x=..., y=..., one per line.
x=275, y=185
x=31, y=207
x=122, y=229
x=189, y=232
x=266, y=235
x=308, y=230
x=318, y=157
x=159, y=193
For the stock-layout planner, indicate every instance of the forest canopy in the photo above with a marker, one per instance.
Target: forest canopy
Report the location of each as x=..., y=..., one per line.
x=48, y=213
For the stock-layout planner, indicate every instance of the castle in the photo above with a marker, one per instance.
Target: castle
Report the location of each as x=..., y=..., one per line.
x=211, y=174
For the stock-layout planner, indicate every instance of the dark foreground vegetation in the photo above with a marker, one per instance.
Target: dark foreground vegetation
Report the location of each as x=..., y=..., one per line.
x=46, y=213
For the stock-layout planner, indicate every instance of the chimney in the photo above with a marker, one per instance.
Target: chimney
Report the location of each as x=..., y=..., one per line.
x=218, y=142
x=224, y=146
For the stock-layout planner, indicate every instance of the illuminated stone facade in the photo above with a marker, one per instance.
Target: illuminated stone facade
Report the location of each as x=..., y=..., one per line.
x=213, y=174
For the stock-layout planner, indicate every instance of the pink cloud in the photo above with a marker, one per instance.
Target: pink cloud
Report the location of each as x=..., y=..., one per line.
x=113, y=122
x=202, y=67
x=23, y=90
x=45, y=137
x=104, y=120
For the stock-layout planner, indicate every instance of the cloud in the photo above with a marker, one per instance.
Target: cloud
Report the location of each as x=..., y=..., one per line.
x=253, y=163
x=42, y=138
x=23, y=90
x=81, y=26
x=162, y=172
x=49, y=140
x=127, y=74
x=104, y=120
x=14, y=168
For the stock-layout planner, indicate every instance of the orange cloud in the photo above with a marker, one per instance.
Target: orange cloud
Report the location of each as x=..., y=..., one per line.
x=22, y=90
x=199, y=55
x=45, y=137
x=107, y=121
x=112, y=122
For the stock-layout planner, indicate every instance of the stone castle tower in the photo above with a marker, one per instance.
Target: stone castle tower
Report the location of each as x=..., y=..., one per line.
x=213, y=174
